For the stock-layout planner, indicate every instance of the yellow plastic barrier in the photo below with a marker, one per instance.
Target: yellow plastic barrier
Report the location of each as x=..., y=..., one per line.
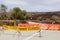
x=9, y=27
x=33, y=28
x=5, y=26
x=23, y=27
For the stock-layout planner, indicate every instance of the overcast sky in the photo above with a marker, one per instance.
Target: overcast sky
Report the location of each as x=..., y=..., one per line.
x=33, y=5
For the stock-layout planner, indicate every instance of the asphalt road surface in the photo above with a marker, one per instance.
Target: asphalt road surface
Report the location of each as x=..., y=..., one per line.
x=30, y=35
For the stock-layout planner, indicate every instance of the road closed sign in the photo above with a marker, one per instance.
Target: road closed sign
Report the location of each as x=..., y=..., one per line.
x=28, y=27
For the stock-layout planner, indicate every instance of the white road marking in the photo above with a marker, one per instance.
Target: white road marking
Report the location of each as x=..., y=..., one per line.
x=31, y=36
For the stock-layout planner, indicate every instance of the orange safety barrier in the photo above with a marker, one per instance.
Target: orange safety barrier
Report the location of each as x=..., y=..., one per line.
x=44, y=26
x=39, y=26
x=50, y=26
x=54, y=27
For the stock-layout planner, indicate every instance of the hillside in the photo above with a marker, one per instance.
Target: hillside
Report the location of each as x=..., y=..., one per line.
x=55, y=16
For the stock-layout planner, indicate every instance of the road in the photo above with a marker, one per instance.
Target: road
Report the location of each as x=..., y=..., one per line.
x=30, y=35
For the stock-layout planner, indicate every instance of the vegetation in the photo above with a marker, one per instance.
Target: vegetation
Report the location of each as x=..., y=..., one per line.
x=3, y=8
x=16, y=13
x=3, y=17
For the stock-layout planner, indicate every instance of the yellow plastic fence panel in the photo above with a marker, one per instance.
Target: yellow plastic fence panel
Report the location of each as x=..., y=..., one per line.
x=33, y=28
x=23, y=27
x=5, y=26
x=28, y=27
x=9, y=27
x=12, y=28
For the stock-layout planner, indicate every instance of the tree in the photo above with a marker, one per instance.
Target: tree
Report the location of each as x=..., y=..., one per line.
x=3, y=15
x=24, y=14
x=18, y=14
x=3, y=8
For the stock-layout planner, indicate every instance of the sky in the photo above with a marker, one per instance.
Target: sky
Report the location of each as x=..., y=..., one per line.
x=33, y=5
